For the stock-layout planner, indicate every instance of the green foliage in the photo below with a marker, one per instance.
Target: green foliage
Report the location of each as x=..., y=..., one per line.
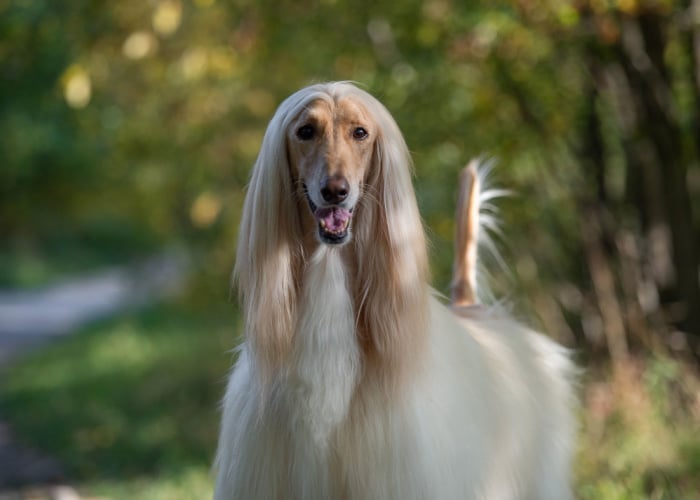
x=176, y=96
x=147, y=116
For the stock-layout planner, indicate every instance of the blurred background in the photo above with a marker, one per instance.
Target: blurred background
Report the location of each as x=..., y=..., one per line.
x=128, y=130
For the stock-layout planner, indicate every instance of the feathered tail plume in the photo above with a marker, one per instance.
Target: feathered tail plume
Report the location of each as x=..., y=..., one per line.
x=475, y=217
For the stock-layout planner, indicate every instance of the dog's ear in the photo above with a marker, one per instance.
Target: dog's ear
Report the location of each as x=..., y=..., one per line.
x=391, y=252
x=268, y=245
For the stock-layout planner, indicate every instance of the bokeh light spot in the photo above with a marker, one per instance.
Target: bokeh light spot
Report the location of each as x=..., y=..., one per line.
x=77, y=86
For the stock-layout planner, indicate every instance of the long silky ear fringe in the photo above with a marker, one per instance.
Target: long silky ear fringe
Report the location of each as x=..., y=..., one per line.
x=269, y=244
x=476, y=217
x=392, y=294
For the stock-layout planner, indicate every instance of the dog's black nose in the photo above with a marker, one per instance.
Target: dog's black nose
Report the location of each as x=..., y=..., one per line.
x=335, y=189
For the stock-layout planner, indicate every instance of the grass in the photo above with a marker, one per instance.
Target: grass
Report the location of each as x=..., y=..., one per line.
x=641, y=432
x=130, y=406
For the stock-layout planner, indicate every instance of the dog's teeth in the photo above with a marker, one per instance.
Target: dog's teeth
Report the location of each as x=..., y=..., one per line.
x=323, y=224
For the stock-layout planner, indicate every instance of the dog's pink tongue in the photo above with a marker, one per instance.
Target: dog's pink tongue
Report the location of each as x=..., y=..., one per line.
x=334, y=218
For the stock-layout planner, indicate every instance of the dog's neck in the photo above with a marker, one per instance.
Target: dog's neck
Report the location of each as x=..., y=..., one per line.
x=389, y=297
x=325, y=361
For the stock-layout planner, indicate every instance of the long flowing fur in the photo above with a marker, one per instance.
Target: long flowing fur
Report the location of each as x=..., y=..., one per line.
x=354, y=381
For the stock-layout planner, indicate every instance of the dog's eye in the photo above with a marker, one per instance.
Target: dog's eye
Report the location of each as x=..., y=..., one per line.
x=359, y=134
x=305, y=132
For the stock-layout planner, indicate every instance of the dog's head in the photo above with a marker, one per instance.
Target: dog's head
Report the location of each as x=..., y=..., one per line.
x=333, y=168
x=331, y=146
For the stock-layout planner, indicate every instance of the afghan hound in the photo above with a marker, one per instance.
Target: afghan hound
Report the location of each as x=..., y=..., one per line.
x=354, y=381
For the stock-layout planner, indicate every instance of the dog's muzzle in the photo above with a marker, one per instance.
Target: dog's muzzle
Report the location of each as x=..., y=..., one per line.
x=333, y=221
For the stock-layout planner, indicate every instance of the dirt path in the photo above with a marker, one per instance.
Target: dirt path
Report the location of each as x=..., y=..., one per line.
x=31, y=319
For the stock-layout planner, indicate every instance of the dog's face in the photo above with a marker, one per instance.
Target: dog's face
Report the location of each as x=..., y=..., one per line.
x=331, y=148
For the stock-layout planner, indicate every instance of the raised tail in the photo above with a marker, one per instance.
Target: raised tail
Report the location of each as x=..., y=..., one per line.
x=474, y=216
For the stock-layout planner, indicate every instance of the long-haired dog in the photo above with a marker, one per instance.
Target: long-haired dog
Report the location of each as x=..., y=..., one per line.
x=354, y=381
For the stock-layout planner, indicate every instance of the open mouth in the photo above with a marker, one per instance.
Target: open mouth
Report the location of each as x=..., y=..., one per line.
x=333, y=221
